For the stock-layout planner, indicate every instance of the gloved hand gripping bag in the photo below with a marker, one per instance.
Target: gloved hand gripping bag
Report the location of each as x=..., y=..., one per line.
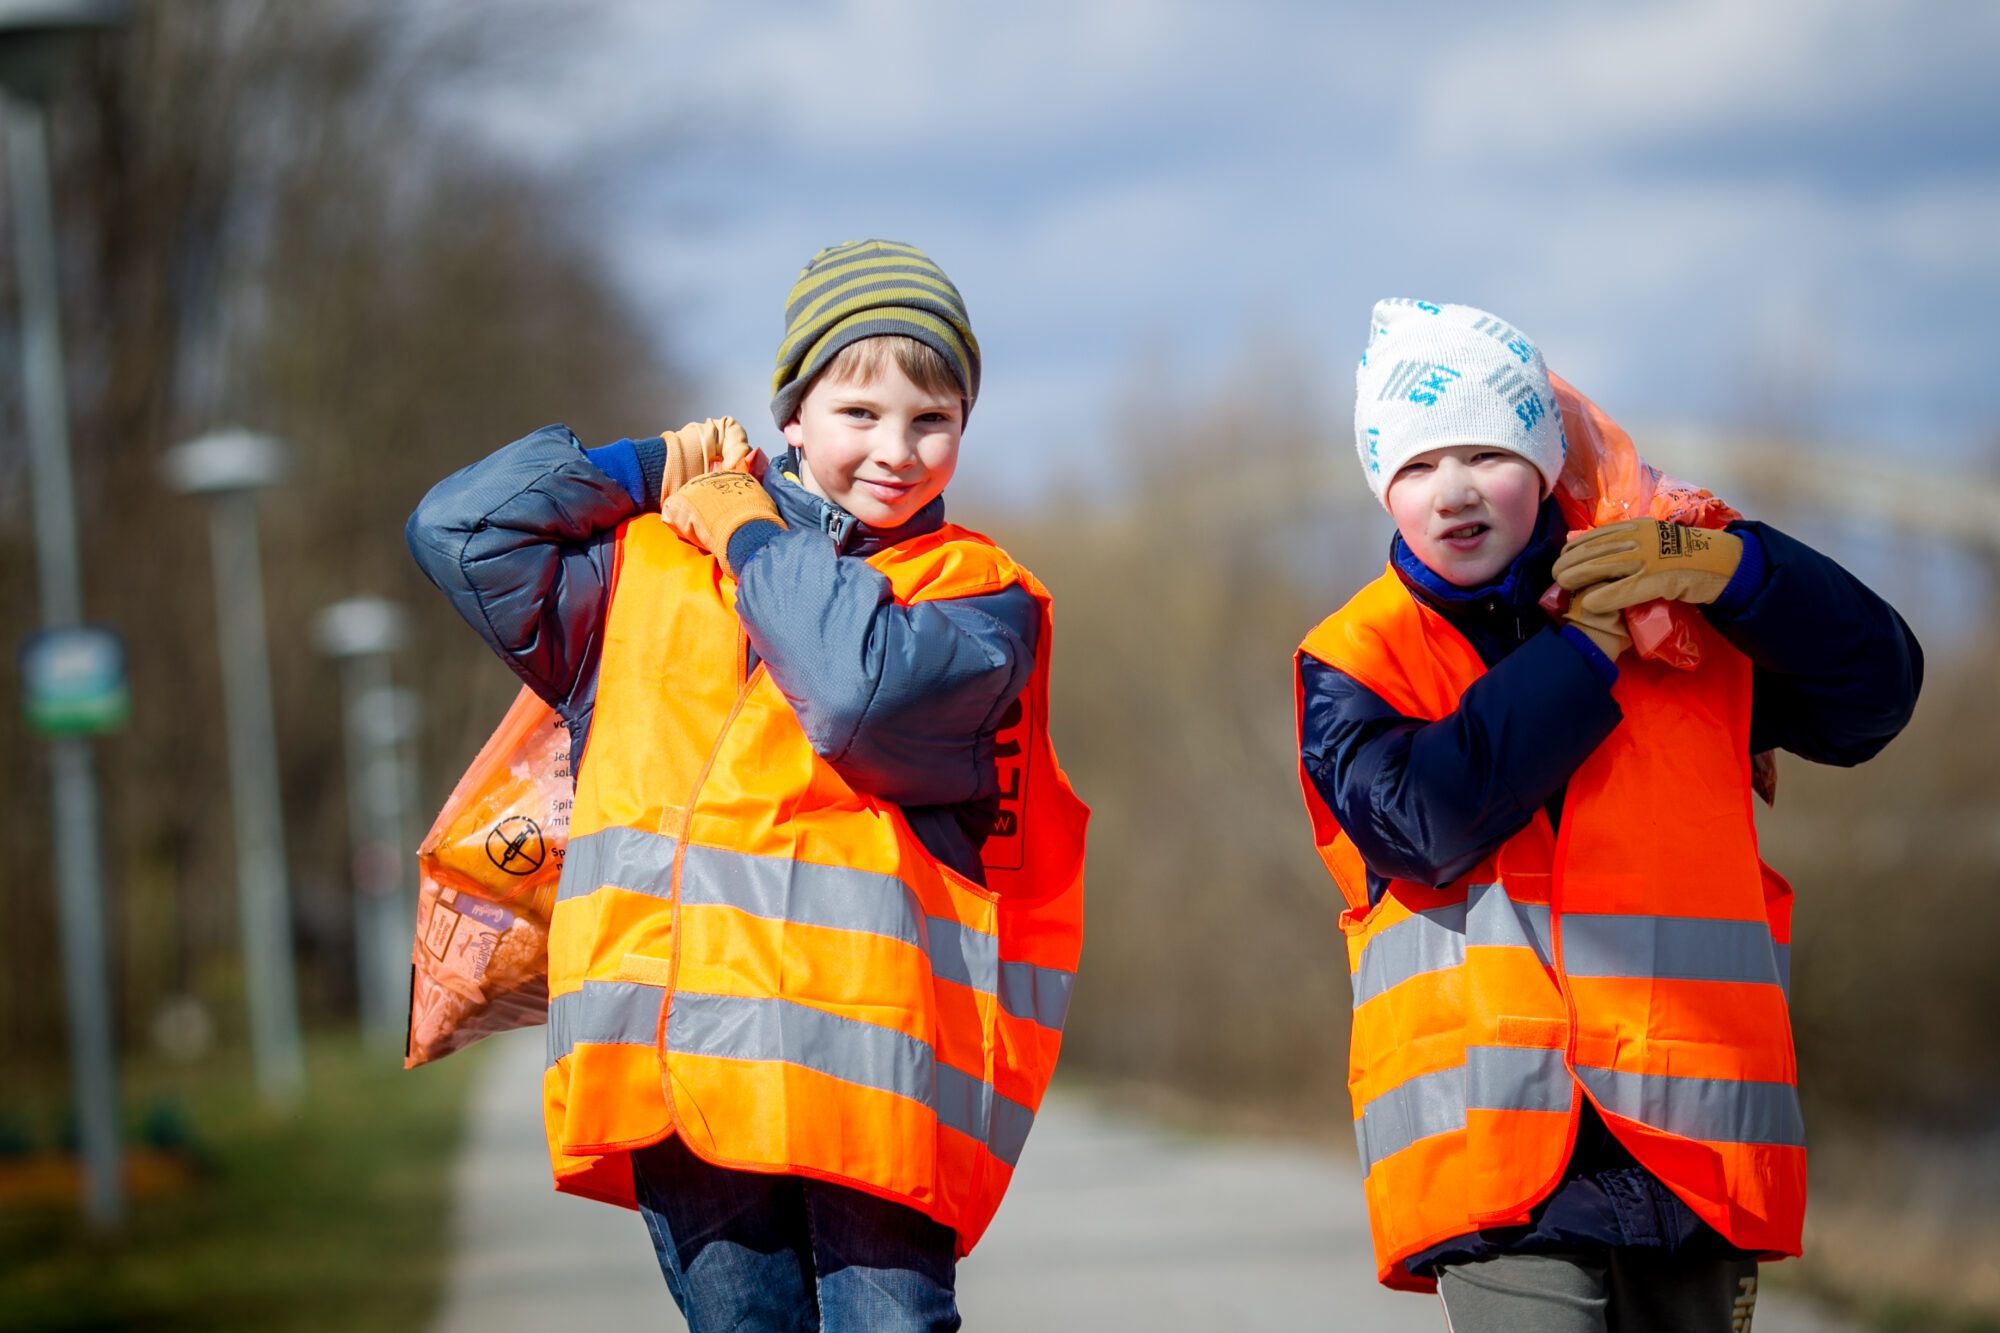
x=487, y=874
x=1604, y=481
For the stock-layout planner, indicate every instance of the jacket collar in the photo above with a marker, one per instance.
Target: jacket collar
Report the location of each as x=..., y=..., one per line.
x=802, y=509
x=1515, y=589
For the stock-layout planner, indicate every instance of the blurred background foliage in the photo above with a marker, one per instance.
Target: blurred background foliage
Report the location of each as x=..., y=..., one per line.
x=260, y=227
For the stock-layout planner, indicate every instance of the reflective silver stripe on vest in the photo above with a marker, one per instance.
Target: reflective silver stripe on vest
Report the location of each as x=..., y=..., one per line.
x=624, y=858
x=1493, y=1078
x=1436, y=938
x=969, y=957
x=972, y=958
x=1669, y=948
x=1517, y=1078
x=604, y=1012
x=1040, y=994
x=734, y=1028
x=974, y=1109
x=778, y=889
x=835, y=897
x=1715, y=1110
x=1418, y=1108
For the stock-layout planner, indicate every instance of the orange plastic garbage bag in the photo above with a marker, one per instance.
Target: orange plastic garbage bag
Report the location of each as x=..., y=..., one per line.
x=1603, y=481
x=487, y=875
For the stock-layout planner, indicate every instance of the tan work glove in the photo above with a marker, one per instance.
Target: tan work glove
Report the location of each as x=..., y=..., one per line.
x=700, y=447
x=1645, y=560
x=708, y=510
x=1606, y=629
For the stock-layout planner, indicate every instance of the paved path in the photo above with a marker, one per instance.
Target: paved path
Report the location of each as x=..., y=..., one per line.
x=1111, y=1224
x=527, y=1258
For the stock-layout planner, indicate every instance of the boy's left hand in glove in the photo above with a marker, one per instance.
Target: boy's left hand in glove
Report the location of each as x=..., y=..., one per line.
x=715, y=445
x=1645, y=560
x=708, y=510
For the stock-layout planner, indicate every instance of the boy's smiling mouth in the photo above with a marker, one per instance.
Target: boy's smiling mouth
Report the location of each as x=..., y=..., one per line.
x=1465, y=534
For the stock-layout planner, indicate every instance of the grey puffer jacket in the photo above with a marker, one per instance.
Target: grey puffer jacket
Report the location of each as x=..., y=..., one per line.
x=902, y=701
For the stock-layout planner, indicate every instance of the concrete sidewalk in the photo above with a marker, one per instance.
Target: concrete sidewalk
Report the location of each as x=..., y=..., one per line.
x=1112, y=1223
x=527, y=1258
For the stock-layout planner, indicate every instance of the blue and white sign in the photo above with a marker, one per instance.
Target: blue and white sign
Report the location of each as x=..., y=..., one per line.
x=73, y=681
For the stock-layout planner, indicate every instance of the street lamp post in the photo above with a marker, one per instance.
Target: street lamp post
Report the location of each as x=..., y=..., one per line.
x=35, y=42
x=361, y=634
x=228, y=468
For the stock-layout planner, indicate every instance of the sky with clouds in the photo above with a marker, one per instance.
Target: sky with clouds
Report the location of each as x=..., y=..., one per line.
x=1706, y=211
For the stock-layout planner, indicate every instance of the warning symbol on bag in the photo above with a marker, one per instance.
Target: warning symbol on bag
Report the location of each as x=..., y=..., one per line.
x=515, y=845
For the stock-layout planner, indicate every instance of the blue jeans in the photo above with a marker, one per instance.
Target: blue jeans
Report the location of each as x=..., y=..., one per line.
x=747, y=1251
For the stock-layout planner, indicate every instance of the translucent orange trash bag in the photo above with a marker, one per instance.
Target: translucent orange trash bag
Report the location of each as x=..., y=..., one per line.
x=486, y=883
x=1603, y=481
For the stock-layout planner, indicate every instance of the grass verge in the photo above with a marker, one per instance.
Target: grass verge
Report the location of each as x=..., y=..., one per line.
x=330, y=1216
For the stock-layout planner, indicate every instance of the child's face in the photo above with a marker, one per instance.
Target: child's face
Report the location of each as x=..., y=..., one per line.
x=1466, y=510
x=881, y=450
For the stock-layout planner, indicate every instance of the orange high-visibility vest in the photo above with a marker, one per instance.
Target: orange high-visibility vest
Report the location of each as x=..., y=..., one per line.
x=750, y=954
x=1639, y=959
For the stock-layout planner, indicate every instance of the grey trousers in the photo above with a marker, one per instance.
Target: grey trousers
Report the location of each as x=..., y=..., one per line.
x=1615, y=1291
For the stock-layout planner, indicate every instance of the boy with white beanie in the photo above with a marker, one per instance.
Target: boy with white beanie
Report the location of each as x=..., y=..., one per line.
x=1571, y=1064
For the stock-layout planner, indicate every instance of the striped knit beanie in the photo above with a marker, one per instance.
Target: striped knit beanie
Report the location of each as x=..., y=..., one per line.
x=1437, y=375
x=864, y=289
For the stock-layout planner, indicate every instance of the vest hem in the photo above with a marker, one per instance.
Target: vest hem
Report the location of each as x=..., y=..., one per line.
x=715, y=1159
x=615, y=1146
x=1518, y=1213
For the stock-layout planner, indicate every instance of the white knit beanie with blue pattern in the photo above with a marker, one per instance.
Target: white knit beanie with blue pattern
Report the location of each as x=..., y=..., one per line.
x=1437, y=375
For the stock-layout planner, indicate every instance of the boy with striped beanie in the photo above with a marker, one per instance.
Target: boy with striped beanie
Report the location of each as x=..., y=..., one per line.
x=820, y=911
x=1571, y=1062
x=870, y=289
